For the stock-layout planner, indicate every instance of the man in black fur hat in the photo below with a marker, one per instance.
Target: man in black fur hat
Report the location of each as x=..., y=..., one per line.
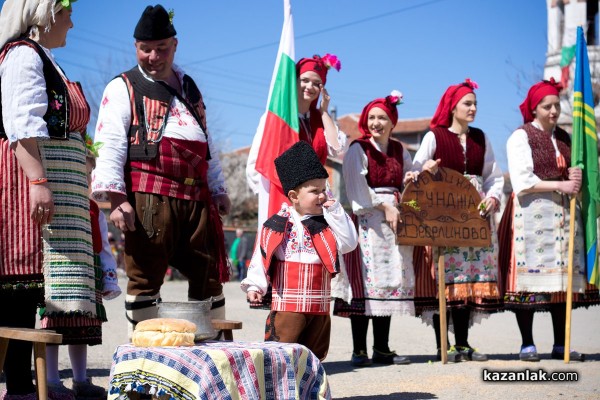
x=161, y=173
x=298, y=253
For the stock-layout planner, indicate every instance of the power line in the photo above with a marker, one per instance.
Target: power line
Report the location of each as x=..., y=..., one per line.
x=101, y=44
x=100, y=34
x=229, y=75
x=360, y=21
x=210, y=98
x=60, y=60
x=233, y=89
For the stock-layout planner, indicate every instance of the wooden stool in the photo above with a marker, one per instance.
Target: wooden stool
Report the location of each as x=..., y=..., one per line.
x=226, y=326
x=39, y=339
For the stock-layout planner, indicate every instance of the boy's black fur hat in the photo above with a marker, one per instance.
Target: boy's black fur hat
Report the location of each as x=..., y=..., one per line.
x=297, y=165
x=154, y=24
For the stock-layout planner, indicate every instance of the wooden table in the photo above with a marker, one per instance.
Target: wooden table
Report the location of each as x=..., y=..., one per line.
x=219, y=370
x=39, y=338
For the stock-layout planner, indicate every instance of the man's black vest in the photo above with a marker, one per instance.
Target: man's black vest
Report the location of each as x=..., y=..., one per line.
x=142, y=149
x=56, y=117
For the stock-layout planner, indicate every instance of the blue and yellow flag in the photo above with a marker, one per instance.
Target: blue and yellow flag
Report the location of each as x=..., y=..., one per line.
x=584, y=154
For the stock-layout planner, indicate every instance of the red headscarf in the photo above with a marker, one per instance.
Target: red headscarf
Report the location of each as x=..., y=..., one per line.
x=443, y=114
x=318, y=64
x=387, y=104
x=536, y=93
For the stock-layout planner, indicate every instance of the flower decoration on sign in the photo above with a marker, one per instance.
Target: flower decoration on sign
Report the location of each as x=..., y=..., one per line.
x=171, y=15
x=471, y=84
x=331, y=61
x=396, y=97
x=91, y=146
x=412, y=204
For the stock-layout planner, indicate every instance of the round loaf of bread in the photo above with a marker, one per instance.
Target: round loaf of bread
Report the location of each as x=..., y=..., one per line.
x=166, y=325
x=164, y=332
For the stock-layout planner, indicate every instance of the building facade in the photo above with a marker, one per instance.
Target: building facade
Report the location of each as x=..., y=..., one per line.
x=564, y=16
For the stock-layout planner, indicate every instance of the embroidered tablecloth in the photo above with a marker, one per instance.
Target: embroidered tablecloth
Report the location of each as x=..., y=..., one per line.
x=219, y=370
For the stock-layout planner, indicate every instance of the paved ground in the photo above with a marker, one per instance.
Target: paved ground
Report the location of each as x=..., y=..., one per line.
x=424, y=378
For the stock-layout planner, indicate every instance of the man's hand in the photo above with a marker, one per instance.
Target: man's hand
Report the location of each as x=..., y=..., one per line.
x=223, y=204
x=122, y=214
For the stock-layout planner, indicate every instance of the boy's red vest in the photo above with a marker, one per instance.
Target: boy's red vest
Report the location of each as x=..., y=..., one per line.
x=298, y=287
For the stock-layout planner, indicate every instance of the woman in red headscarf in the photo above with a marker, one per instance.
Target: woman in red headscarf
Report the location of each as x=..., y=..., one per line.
x=316, y=125
x=471, y=273
x=381, y=278
x=534, y=230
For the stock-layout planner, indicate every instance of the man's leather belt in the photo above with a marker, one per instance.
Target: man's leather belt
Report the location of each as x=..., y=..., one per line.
x=192, y=182
x=185, y=181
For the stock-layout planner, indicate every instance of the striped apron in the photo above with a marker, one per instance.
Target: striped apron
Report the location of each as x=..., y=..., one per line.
x=72, y=306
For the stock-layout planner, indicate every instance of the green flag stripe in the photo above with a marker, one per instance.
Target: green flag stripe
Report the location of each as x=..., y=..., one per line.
x=587, y=114
x=284, y=96
x=589, y=124
x=584, y=154
x=566, y=55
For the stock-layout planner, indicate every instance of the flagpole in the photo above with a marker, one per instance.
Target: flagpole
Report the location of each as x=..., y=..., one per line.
x=442, y=303
x=584, y=124
x=567, y=353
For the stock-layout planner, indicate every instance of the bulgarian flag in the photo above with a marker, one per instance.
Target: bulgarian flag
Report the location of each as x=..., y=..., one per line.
x=584, y=154
x=567, y=54
x=281, y=128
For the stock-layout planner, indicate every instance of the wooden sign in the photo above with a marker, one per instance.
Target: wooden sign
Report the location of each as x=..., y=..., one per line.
x=442, y=210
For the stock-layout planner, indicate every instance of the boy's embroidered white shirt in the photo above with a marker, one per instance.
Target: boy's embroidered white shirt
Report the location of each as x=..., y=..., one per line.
x=297, y=244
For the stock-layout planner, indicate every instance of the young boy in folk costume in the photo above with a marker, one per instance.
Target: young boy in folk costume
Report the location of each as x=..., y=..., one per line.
x=298, y=253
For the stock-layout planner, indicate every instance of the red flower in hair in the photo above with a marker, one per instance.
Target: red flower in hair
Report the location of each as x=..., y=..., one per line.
x=471, y=84
x=395, y=97
x=331, y=61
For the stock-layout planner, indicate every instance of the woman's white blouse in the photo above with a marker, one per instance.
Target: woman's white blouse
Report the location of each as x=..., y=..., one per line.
x=520, y=160
x=24, y=98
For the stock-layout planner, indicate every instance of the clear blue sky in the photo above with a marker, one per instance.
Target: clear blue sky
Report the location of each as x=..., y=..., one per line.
x=416, y=46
